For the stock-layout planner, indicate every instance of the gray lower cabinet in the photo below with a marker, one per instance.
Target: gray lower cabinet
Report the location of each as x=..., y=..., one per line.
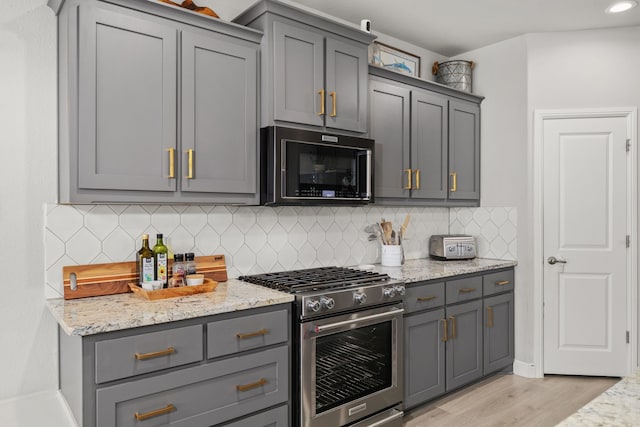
x=427, y=142
x=315, y=70
x=163, y=375
x=156, y=105
x=455, y=332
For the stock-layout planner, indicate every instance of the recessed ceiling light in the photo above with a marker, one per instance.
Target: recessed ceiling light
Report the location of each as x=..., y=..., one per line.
x=621, y=6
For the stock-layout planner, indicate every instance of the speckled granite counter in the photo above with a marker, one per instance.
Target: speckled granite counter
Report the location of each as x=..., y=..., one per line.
x=618, y=406
x=417, y=270
x=88, y=316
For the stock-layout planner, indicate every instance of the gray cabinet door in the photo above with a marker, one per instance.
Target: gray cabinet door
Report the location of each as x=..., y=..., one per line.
x=464, y=151
x=389, y=116
x=299, y=75
x=219, y=115
x=346, y=78
x=127, y=100
x=429, y=137
x=464, y=344
x=424, y=357
x=498, y=332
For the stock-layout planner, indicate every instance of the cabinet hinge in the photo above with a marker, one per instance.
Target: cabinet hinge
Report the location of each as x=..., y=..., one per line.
x=627, y=337
x=628, y=241
x=628, y=145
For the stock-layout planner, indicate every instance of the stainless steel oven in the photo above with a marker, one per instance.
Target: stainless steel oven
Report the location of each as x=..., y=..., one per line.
x=300, y=167
x=350, y=366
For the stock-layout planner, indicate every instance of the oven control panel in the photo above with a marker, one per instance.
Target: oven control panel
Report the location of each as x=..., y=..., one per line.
x=349, y=298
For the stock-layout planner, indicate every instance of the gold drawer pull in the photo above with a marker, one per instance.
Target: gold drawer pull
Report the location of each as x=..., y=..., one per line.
x=454, y=185
x=408, y=172
x=151, y=414
x=247, y=387
x=445, y=335
x=252, y=334
x=172, y=162
x=502, y=283
x=466, y=290
x=190, y=163
x=321, y=93
x=417, y=179
x=333, y=104
x=489, y=317
x=429, y=298
x=453, y=326
x=145, y=356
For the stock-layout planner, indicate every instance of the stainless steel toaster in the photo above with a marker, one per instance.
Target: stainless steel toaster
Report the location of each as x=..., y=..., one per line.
x=452, y=246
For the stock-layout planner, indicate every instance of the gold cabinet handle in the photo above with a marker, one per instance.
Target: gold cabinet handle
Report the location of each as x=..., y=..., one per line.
x=489, y=317
x=466, y=290
x=429, y=298
x=417, y=179
x=333, y=104
x=502, y=283
x=453, y=326
x=408, y=172
x=445, y=334
x=252, y=334
x=248, y=387
x=172, y=162
x=145, y=356
x=454, y=183
x=144, y=416
x=190, y=154
x=321, y=93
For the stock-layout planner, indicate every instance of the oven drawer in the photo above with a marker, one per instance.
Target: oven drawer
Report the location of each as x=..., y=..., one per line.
x=276, y=417
x=203, y=395
x=423, y=297
x=494, y=283
x=138, y=354
x=463, y=289
x=246, y=333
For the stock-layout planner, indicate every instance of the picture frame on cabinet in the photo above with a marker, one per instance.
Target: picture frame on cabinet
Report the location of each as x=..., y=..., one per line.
x=391, y=58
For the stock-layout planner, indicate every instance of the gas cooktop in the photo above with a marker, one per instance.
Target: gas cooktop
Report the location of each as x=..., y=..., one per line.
x=315, y=279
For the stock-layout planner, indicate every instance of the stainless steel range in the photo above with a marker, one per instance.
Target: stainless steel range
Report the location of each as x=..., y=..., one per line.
x=347, y=345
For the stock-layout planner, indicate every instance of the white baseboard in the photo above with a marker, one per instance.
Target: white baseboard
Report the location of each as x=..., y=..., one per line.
x=524, y=369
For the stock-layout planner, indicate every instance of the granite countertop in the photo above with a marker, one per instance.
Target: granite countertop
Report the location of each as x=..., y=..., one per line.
x=88, y=316
x=417, y=270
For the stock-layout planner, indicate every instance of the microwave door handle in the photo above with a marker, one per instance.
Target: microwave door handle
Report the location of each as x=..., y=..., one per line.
x=369, y=175
x=335, y=325
x=367, y=155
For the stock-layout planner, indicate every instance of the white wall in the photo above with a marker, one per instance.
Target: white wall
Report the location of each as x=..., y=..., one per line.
x=27, y=180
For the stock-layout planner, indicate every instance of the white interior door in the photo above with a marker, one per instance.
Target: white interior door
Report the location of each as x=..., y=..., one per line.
x=585, y=230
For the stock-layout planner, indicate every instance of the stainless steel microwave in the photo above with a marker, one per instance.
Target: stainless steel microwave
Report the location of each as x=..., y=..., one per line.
x=302, y=167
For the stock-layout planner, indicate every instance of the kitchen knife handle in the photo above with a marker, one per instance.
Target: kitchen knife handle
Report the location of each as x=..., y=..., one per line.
x=453, y=326
x=454, y=183
x=190, y=154
x=172, y=162
x=408, y=172
x=333, y=104
x=445, y=333
x=146, y=415
x=489, y=317
x=321, y=93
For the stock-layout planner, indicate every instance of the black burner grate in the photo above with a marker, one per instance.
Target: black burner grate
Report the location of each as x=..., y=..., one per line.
x=315, y=279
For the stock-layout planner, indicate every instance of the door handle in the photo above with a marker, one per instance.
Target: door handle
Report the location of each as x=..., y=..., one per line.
x=408, y=186
x=321, y=93
x=553, y=260
x=333, y=104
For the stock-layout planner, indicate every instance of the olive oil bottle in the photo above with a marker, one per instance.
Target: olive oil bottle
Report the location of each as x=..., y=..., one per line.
x=145, y=263
x=160, y=258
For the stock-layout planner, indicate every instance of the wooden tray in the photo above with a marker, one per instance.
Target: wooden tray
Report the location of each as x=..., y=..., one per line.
x=208, y=286
x=92, y=280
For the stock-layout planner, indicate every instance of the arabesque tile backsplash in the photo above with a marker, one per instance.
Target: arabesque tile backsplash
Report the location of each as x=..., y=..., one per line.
x=258, y=239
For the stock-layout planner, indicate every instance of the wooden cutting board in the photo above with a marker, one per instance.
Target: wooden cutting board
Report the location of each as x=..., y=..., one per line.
x=92, y=280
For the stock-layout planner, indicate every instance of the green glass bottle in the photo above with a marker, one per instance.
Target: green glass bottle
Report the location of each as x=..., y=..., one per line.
x=160, y=258
x=146, y=262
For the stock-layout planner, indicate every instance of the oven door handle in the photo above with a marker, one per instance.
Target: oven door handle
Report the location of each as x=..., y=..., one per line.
x=335, y=325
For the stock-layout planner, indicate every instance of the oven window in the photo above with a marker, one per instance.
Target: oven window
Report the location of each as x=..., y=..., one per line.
x=317, y=170
x=352, y=364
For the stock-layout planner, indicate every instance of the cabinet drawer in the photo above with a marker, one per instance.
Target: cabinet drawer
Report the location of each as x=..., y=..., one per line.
x=199, y=396
x=276, y=417
x=139, y=354
x=423, y=297
x=494, y=283
x=463, y=289
x=246, y=333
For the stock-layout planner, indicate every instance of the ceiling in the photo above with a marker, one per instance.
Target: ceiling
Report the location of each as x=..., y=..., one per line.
x=452, y=27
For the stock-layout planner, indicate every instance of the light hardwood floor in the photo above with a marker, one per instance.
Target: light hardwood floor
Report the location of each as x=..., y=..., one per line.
x=510, y=400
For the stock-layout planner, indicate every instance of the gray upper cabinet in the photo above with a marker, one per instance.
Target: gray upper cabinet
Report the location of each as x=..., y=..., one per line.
x=427, y=141
x=155, y=105
x=314, y=71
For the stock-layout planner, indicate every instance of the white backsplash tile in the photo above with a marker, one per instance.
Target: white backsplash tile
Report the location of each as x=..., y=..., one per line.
x=259, y=239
